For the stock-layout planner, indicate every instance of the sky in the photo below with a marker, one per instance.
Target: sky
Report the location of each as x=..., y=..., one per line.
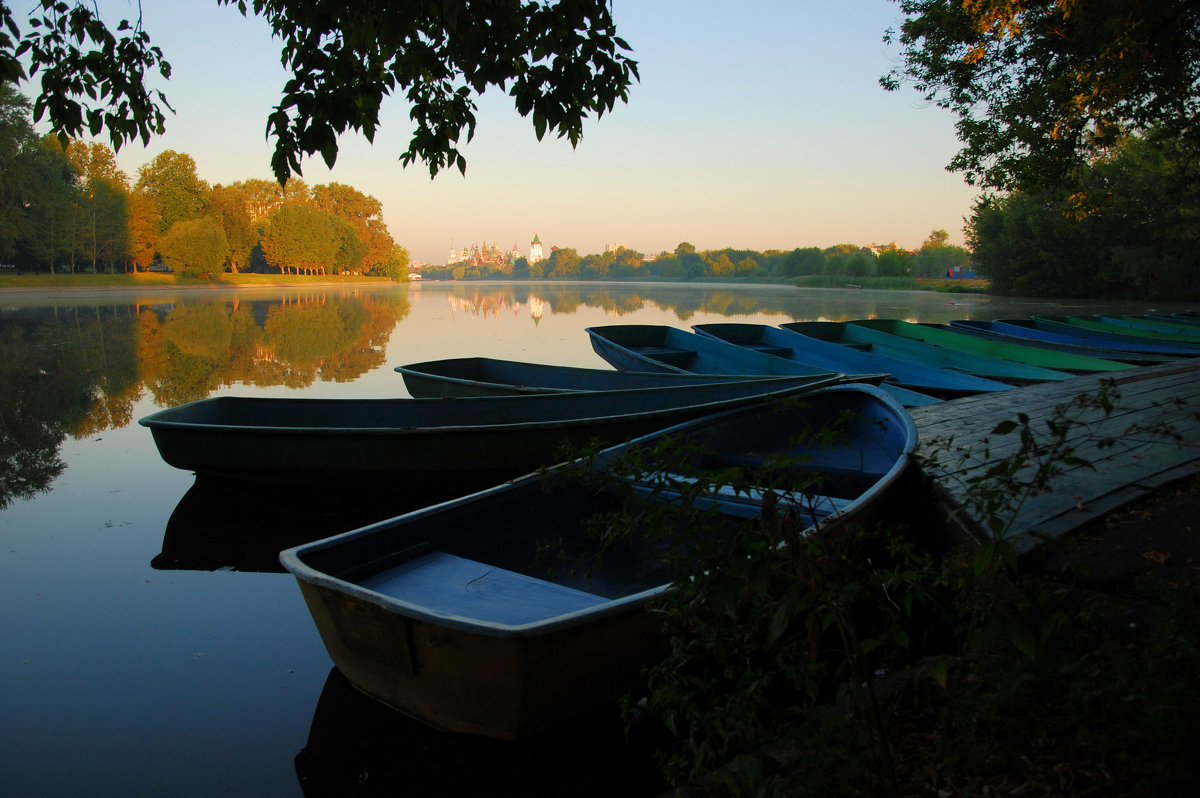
x=757, y=125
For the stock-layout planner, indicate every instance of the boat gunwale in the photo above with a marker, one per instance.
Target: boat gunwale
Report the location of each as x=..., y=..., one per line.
x=809, y=383
x=292, y=561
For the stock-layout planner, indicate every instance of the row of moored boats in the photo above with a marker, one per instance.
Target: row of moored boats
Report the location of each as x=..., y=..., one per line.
x=493, y=610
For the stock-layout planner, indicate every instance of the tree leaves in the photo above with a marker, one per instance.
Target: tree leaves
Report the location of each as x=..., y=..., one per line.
x=1042, y=88
x=560, y=60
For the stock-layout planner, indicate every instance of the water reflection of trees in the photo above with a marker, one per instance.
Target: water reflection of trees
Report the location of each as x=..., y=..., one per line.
x=617, y=300
x=80, y=370
x=191, y=351
x=64, y=371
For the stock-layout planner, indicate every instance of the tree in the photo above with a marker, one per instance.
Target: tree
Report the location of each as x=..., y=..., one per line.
x=103, y=203
x=809, y=260
x=1042, y=88
x=395, y=265
x=51, y=205
x=560, y=60
x=1140, y=243
x=170, y=179
x=142, y=240
x=563, y=263
x=365, y=215
x=849, y=260
x=195, y=247
x=264, y=196
x=937, y=257
x=302, y=239
x=17, y=141
x=893, y=261
x=227, y=204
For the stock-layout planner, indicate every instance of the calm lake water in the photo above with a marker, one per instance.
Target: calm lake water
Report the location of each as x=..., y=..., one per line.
x=151, y=643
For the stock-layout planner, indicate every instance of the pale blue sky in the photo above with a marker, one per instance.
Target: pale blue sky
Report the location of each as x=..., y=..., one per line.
x=757, y=125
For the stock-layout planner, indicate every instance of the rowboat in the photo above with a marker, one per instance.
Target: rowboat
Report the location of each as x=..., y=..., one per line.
x=1047, y=329
x=937, y=382
x=1172, y=318
x=658, y=347
x=485, y=376
x=1163, y=328
x=501, y=613
x=1034, y=336
x=1096, y=325
x=858, y=336
x=947, y=338
x=436, y=448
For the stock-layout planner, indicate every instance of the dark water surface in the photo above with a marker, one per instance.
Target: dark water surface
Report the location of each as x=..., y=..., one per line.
x=151, y=644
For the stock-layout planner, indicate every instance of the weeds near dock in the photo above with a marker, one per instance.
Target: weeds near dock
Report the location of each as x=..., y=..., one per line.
x=1006, y=470
x=854, y=662
x=770, y=616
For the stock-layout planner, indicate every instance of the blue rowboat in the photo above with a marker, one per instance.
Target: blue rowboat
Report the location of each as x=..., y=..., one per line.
x=1094, y=325
x=1176, y=319
x=857, y=336
x=485, y=376
x=947, y=338
x=938, y=382
x=1042, y=328
x=501, y=613
x=1047, y=340
x=433, y=447
x=1166, y=329
x=650, y=347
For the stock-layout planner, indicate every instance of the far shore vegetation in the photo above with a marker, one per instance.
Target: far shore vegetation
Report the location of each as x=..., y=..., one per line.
x=85, y=280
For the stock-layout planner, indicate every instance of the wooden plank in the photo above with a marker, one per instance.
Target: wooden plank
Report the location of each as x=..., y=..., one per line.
x=1148, y=401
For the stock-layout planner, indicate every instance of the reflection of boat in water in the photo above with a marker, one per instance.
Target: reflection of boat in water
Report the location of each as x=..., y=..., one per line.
x=240, y=526
x=357, y=746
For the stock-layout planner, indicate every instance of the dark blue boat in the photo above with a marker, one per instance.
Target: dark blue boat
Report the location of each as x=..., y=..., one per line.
x=485, y=376
x=649, y=347
x=446, y=447
x=1011, y=330
x=789, y=344
x=1108, y=334
x=859, y=336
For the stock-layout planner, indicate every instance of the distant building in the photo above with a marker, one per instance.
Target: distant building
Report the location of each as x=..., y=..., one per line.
x=535, y=250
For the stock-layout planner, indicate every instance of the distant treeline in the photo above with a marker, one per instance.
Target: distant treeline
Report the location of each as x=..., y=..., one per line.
x=71, y=209
x=846, y=262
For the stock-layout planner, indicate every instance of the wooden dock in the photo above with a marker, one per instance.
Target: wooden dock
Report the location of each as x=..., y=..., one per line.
x=1128, y=451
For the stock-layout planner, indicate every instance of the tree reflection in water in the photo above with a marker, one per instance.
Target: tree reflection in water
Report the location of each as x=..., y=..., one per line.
x=79, y=370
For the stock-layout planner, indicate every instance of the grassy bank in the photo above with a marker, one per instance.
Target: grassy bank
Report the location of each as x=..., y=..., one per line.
x=145, y=280
x=151, y=280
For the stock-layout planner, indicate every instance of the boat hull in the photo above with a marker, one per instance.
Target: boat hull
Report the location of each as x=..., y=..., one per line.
x=948, y=338
x=864, y=337
x=929, y=380
x=481, y=376
x=444, y=446
x=1016, y=331
x=452, y=615
x=647, y=347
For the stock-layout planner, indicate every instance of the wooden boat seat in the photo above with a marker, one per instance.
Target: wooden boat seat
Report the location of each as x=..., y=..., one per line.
x=450, y=585
x=672, y=356
x=769, y=349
